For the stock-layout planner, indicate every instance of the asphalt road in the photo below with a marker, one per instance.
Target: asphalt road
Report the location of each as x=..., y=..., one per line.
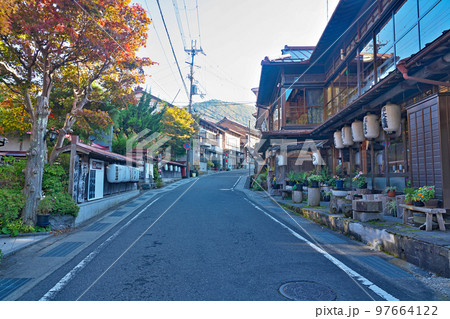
x=205, y=240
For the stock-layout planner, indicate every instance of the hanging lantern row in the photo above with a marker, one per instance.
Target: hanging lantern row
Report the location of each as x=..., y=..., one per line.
x=369, y=128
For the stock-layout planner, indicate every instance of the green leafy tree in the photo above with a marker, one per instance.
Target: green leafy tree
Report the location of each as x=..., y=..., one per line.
x=54, y=41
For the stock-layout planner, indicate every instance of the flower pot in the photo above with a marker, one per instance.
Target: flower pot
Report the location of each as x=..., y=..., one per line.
x=339, y=184
x=314, y=184
x=326, y=198
x=297, y=196
x=391, y=193
x=276, y=186
x=418, y=204
x=291, y=183
x=313, y=196
x=432, y=203
x=42, y=220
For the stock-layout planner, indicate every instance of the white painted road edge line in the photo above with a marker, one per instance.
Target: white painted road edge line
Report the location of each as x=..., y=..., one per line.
x=234, y=186
x=70, y=275
x=380, y=292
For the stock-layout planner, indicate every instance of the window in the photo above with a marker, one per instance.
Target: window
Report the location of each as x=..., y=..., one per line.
x=408, y=44
x=425, y=5
x=304, y=106
x=366, y=57
x=405, y=18
x=434, y=22
x=385, y=50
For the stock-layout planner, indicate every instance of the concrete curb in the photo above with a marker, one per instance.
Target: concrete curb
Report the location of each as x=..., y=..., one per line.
x=429, y=256
x=30, y=243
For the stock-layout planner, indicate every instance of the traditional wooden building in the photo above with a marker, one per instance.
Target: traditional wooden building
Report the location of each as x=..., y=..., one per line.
x=380, y=70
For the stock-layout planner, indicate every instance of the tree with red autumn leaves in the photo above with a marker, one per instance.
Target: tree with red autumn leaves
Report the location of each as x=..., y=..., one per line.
x=48, y=42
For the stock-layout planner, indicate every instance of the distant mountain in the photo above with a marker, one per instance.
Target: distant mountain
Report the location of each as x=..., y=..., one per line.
x=216, y=110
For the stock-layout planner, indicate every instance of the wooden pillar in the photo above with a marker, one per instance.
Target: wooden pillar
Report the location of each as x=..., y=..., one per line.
x=351, y=152
x=386, y=159
x=405, y=146
x=372, y=163
x=333, y=158
x=73, y=156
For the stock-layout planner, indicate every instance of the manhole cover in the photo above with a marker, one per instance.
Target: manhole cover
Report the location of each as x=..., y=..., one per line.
x=307, y=291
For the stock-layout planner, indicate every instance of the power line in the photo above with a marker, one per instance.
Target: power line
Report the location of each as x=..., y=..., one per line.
x=180, y=25
x=198, y=24
x=160, y=43
x=171, y=45
x=187, y=20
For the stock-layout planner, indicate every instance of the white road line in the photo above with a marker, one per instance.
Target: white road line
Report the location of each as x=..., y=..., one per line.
x=232, y=188
x=137, y=239
x=350, y=272
x=71, y=274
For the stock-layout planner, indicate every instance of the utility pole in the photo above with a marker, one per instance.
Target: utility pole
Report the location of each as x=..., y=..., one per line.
x=248, y=150
x=193, y=52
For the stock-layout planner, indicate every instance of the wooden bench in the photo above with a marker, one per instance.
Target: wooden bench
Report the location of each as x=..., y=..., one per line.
x=407, y=215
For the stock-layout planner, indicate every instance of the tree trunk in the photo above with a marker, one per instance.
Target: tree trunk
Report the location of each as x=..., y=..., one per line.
x=36, y=161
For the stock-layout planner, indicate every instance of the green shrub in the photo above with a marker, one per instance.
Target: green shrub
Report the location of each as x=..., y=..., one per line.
x=15, y=227
x=46, y=205
x=64, y=205
x=55, y=179
x=12, y=202
x=11, y=173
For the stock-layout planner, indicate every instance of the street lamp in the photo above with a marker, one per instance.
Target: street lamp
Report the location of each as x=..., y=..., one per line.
x=52, y=135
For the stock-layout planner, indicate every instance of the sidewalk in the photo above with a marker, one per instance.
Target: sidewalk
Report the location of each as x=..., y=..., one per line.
x=10, y=245
x=427, y=250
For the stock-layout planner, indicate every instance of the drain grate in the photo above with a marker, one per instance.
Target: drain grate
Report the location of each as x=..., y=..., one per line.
x=97, y=226
x=118, y=213
x=9, y=285
x=63, y=249
x=307, y=291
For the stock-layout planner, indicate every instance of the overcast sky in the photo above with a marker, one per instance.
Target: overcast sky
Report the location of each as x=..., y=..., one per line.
x=235, y=35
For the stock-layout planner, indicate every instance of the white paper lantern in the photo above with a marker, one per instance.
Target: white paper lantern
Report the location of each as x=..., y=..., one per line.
x=338, y=143
x=371, y=126
x=166, y=167
x=347, y=139
x=358, y=131
x=281, y=160
x=316, y=158
x=380, y=159
x=171, y=168
x=391, y=116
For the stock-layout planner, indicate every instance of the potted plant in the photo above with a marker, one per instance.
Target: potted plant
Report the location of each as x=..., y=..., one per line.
x=314, y=180
x=339, y=182
x=426, y=194
x=390, y=190
x=274, y=183
x=45, y=207
x=409, y=195
x=314, y=190
x=391, y=207
x=360, y=180
x=291, y=178
x=297, y=194
x=327, y=196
